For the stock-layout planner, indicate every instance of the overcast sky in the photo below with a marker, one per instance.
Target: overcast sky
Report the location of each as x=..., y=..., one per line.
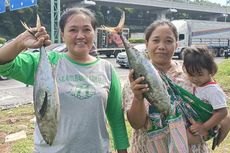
x=222, y=2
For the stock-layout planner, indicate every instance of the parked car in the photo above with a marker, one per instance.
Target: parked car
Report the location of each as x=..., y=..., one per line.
x=122, y=59
x=3, y=78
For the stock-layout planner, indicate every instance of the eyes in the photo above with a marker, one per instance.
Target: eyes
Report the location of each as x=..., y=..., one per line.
x=197, y=75
x=168, y=41
x=83, y=30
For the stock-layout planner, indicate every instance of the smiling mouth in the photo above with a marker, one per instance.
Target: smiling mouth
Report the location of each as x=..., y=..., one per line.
x=80, y=43
x=160, y=53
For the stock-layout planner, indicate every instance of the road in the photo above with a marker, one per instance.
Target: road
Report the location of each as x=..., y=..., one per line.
x=14, y=93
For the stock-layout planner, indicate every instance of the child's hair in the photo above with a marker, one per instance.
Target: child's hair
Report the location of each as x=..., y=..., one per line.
x=198, y=58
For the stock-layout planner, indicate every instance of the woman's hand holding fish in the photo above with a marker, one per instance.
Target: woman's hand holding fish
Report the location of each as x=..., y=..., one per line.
x=33, y=39
x=36, y=40
x=137, y=114
x=136, y=86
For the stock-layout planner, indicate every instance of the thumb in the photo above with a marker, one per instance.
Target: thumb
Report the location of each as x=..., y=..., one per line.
x=131, y=79
x=191, y=120
x=39, y=43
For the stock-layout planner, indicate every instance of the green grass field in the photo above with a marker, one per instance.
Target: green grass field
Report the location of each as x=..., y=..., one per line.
x=11, y=120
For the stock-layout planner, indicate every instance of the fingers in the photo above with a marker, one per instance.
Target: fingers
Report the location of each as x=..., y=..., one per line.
x=42, y=37
x=47, y=42
x=193, y=130
x=41, y=32
x=136, y=84
x=137, y=87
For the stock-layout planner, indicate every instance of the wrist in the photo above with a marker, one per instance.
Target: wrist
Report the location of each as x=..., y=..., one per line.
x=138, y=99
x=19, y=42
x=204, y=127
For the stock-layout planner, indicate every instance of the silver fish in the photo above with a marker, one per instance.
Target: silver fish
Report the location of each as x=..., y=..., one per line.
x=46, y=99
x=45, y=95
x=157, y=94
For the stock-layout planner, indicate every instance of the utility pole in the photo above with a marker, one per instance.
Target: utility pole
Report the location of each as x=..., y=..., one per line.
x=55, y=17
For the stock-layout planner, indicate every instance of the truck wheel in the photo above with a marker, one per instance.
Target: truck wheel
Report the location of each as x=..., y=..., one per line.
x=226, y=55
x=216, y=53
x=221, y=52
x=116, y=53
x=108, y=55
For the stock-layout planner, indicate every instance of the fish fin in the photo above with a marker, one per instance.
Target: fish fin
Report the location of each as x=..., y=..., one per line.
x=109, y=29
x=32, y=30
x=121, y=22
x=29, y=29
x=38, y=22
x=119, y=27
x=44, y=106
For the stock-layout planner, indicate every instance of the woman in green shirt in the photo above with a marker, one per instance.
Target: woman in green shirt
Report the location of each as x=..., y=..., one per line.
x=89, y=88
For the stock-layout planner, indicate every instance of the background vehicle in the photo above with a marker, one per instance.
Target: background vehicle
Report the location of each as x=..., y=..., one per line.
x=108, y=43
x=122, y=59
x=212, y=34
x=3, y=78
x=227, y=53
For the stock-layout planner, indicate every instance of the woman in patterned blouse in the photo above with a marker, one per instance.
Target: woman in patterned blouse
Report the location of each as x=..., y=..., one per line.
x=161, y=41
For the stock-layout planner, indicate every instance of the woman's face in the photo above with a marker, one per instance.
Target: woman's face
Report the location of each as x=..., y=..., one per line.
x=161, y=45
x=78, y=34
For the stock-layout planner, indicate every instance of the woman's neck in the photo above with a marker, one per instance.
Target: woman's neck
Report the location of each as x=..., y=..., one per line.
x=164, y=67
x=81, y=59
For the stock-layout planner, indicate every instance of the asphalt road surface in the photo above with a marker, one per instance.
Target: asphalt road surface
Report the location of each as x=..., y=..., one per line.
x=14, y=93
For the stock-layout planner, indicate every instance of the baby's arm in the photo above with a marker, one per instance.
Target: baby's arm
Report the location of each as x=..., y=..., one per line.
x=217, y=117
x=202, y=128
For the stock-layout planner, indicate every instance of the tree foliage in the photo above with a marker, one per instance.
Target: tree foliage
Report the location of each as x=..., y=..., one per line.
x=136, y=19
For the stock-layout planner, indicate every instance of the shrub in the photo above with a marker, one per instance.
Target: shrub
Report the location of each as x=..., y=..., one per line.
x=136, y=40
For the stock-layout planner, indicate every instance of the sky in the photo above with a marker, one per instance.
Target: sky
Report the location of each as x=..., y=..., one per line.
x=222, y=2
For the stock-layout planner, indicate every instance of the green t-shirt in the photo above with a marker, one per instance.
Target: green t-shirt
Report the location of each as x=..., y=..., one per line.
x=88, y=94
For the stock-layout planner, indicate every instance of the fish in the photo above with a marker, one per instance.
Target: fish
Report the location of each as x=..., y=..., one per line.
x=45, y=95
x=157, y=94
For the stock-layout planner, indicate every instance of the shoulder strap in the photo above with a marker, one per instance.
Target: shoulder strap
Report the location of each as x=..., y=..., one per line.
x=203, y=109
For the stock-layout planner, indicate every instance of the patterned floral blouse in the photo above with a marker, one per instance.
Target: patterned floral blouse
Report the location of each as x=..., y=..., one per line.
x=139, y=139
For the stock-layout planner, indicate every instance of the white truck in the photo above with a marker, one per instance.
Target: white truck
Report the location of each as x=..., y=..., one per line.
x=212, y=34
x=109, y=43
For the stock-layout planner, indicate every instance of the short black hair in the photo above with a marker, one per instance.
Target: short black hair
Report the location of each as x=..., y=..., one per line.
x=157, y=23
x=197, y=58
x=77, y=10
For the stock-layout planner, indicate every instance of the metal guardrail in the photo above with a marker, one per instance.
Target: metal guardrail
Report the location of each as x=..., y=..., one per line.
x=163, y=4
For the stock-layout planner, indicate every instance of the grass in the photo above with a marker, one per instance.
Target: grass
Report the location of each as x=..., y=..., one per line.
x=11, y=120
